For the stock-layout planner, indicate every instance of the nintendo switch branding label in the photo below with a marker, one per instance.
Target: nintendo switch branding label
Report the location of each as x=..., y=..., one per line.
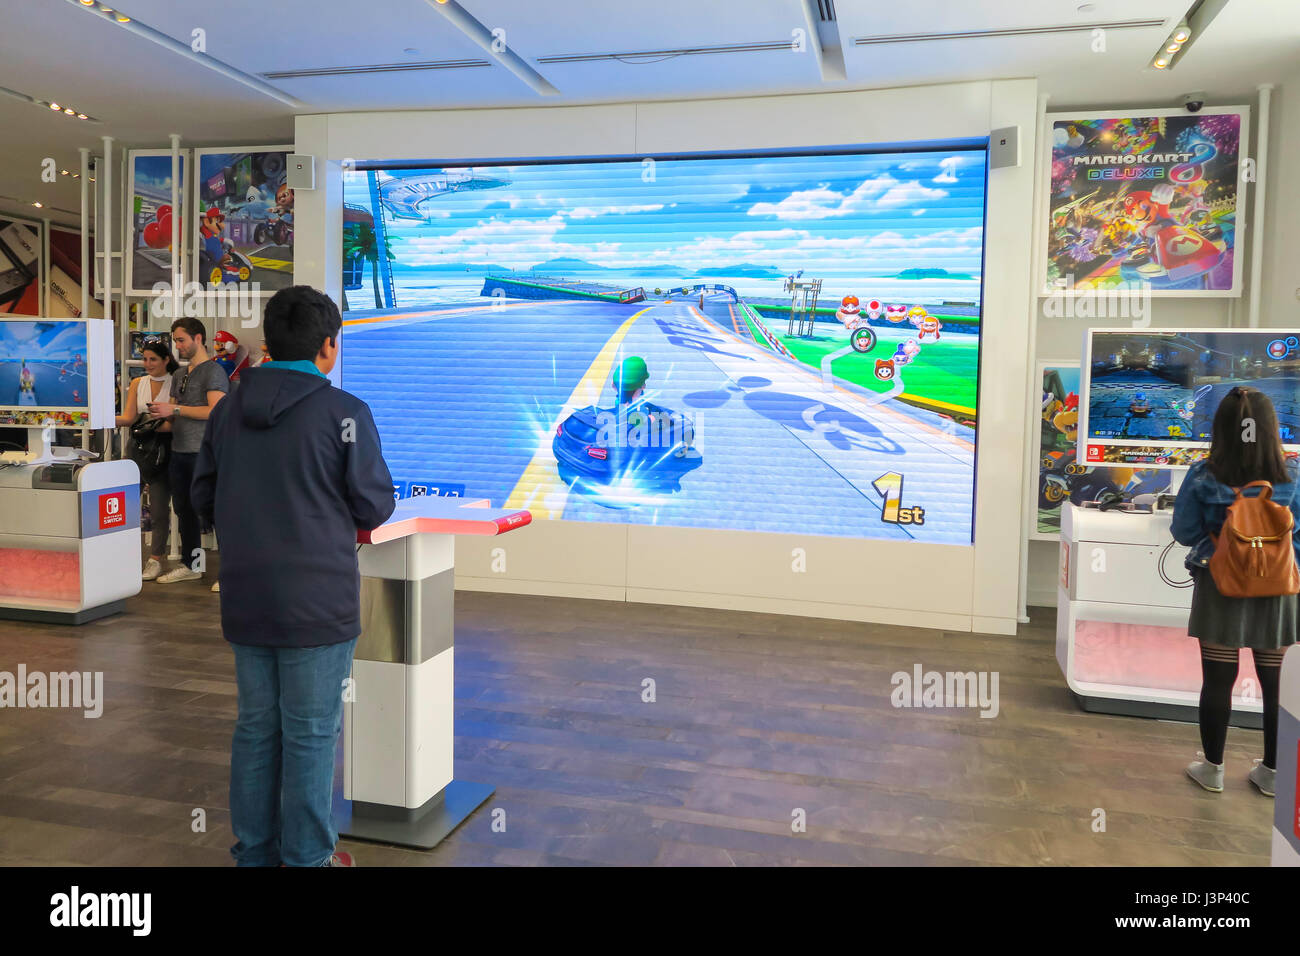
x=109, y=511
x=112, y=511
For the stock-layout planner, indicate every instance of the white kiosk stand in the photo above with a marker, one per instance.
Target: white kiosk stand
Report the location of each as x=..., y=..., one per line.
x=1286, y=815
x=397, y=726
x=1121, y=625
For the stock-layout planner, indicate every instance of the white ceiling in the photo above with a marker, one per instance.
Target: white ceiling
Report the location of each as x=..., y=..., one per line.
x=141, y=92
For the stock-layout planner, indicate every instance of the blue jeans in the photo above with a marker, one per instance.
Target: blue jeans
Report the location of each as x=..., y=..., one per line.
x=282, y=752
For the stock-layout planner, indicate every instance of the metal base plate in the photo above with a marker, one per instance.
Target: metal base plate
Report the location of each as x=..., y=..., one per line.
x=1186, y=713
x=62, y=617
x=424, y=829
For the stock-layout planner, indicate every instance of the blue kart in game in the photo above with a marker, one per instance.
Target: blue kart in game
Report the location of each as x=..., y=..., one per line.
x=615, y=453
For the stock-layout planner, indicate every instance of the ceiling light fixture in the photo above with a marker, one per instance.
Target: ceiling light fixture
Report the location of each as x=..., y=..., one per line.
x=43, y=103
x=183, y=49
x=39, y=205
x=1185, y=31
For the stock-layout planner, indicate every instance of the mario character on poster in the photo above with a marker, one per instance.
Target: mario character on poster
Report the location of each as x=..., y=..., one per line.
x=1144, y=202
x=245, y=219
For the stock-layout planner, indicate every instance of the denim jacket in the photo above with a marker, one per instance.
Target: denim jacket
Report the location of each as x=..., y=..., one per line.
x=1202, y=504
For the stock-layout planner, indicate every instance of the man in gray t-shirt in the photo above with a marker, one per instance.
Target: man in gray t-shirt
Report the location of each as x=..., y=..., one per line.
x=196, y=389
x=193, y=385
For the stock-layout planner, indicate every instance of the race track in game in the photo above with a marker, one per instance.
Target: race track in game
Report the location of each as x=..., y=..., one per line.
x=54, y=385
x=1113, y=414
x=472, y=395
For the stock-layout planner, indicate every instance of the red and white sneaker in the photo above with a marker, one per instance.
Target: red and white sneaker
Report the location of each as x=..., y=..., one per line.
x=339, y=858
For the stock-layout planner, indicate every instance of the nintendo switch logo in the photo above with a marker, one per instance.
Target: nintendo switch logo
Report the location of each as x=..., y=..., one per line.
x=112, y=510
x=1094, y=453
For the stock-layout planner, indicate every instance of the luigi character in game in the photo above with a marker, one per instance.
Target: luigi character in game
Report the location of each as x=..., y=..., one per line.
x=649, y=425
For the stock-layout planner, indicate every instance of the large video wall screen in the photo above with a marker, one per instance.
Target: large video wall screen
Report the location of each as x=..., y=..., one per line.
x=779, y=343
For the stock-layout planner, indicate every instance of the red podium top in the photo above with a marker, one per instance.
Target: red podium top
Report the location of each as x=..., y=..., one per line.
x=441, y=515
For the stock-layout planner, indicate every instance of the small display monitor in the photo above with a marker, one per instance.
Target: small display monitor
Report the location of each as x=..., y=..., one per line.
x=55, y=372
x=1149, y=396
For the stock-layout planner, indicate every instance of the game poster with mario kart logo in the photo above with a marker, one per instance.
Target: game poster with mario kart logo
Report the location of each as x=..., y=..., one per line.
x=244, y=218
x=1145, y=202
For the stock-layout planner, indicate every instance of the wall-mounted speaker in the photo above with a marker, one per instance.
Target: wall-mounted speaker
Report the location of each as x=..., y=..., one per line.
x=1004, y=147
x=302, y=172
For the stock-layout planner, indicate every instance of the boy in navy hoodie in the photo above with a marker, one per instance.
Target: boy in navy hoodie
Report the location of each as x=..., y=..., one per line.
x=290, y=468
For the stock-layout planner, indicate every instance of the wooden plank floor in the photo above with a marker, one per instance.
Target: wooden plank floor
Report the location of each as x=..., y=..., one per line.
x=756, y=715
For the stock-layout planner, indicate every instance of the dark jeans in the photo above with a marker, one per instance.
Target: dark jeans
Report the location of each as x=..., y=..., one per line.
x=182, y=476
x=282, y=753
x=160, y=514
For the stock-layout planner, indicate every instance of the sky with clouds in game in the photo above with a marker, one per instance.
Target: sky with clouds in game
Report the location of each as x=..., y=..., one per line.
x=857, y=214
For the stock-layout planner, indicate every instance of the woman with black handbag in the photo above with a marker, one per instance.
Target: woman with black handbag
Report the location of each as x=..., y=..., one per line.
x=150, y=445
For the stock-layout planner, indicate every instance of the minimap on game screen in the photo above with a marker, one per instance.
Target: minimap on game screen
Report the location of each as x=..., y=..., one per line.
x=613, y=341
x=43, y=364
x=1148, y=387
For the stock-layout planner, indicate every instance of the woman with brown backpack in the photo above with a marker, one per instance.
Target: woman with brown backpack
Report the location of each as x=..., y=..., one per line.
x=1243, y=561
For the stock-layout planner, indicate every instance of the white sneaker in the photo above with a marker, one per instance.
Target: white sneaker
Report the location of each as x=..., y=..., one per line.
x=179, y=574
x=151, y=570
x=1264, y=778
x=1208, y=775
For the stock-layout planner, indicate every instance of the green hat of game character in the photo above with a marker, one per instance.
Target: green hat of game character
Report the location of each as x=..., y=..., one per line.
x=630, y=376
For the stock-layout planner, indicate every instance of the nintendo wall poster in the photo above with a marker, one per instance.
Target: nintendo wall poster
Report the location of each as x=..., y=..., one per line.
x=773, y=343
x=149, y=199
x=64, y=295
x=245, y=218
x=21, y=266
x=1061, y=477
x=1146, y=202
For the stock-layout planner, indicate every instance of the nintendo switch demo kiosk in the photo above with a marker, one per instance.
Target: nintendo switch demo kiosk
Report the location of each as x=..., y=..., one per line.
x=1123, y=594
x=398, y=719
x=69, y=526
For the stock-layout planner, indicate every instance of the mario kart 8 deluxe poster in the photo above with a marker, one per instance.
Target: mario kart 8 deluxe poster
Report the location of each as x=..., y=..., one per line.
x=245, y=218
x=1146, y=202
x=779, y=343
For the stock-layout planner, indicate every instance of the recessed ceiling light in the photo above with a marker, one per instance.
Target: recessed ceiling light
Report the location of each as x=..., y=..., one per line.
x=1161, y=62
x=70, y=111
x=39, y=205
x=82, y=116
x=55, y=106
x=87, y=3
x=123, y=19
x=1182, y=33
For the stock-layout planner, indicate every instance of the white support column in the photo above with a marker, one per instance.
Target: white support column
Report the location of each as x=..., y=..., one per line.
x=87, y=266
x=1257, y=227
x=178, y=264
